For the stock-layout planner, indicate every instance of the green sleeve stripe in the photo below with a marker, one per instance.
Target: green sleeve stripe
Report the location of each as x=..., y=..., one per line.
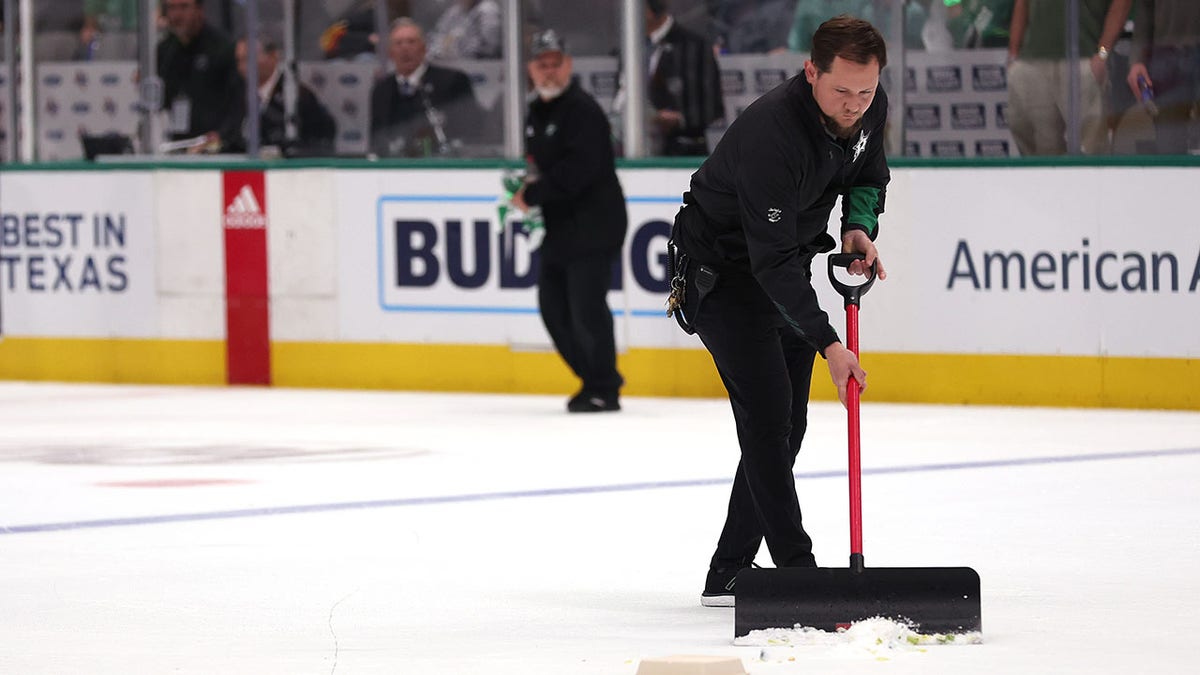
x=863, y=206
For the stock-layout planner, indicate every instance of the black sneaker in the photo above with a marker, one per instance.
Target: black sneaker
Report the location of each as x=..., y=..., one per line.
x=587, y=402
x=718, y=587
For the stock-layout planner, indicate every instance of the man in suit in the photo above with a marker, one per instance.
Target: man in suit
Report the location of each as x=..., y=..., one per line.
x=420, y=110
x=315, y=127
x=684, y=87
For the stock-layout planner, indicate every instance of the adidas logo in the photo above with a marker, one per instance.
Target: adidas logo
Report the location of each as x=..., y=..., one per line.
x=245, y=211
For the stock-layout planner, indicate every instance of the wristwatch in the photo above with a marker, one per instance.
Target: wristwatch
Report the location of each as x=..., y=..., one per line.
x=1102, y=52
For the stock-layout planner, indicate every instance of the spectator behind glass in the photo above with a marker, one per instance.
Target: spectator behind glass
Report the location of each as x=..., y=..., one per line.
x=89, y=40
x=112, y=15
x=352, y=36
x=1038, y=73
x=1166, y=54
x=979, y=23
x=751, y=26
x=196, y=63
x=315, y=127
x=468, y=29
x=810, y=14
x=420, y=110
x=102, y=20
x=684, y=85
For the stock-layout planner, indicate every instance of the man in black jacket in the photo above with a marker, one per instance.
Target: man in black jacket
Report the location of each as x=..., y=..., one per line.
x=573, y=179
x=753, y=220
x=684, y=86
x=195, y=62
x=421, y=110
x=315, y=127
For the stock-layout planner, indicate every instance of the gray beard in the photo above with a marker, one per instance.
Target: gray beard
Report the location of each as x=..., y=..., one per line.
x=549, y=93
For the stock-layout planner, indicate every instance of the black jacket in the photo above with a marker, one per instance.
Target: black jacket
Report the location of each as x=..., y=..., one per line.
x=570, y=142
x=201, y=71
x=315, y=127
x=400, y=125
x=768, y=188
x=686, y=79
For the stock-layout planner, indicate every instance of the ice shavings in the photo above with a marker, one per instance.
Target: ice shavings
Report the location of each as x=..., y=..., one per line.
x=877, y=637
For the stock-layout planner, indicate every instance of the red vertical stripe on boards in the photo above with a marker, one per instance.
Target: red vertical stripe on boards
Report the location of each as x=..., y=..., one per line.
x=247, y=309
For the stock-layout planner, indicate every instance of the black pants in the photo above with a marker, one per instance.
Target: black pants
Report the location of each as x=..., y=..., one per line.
x=767, y=370
x=573, y=298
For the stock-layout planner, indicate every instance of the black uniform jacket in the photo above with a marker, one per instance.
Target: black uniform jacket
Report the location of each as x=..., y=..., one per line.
x=315, y=130
x=400, y=124
x=201, y=71
x=687, y=80
x=570, y=142
x=768, y=188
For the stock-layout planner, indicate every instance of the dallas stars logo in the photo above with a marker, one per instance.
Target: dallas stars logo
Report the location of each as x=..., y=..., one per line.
x=860, y=146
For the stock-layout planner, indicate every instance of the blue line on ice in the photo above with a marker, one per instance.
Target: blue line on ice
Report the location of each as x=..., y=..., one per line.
x=558, y=492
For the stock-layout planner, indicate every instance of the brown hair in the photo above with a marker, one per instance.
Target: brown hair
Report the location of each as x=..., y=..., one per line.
x=850, y=38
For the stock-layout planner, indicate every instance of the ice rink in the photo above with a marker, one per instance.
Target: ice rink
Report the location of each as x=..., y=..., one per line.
x=236, y=530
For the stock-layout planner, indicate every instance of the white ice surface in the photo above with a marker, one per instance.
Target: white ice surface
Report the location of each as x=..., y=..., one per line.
x=497, y=534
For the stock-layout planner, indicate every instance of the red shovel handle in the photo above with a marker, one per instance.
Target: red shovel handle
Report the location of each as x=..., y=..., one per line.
x=852, y=295
x=852, y=416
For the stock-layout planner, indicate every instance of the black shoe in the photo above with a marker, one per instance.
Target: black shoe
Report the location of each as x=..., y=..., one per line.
x=718, y=587
x=586, y=402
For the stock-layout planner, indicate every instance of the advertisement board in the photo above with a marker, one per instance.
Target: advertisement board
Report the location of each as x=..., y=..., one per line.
x=1054, y=261
x=84, y=98
x=1073, y=285
x=77, y=255
x=247, y=293
x=980, y=261
x=424, y=258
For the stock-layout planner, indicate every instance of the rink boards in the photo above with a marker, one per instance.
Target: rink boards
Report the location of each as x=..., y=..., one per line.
x=1051, y=285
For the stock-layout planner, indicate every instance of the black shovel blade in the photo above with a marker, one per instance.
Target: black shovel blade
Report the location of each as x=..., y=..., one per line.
x=931, y=599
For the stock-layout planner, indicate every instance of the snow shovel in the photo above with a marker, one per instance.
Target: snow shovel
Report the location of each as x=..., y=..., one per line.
x=929, y=599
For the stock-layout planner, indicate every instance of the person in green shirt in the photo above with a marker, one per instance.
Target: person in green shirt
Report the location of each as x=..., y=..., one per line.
x=1038, y=73
x=979, y=23
x=111, y=15
x=809, y=14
